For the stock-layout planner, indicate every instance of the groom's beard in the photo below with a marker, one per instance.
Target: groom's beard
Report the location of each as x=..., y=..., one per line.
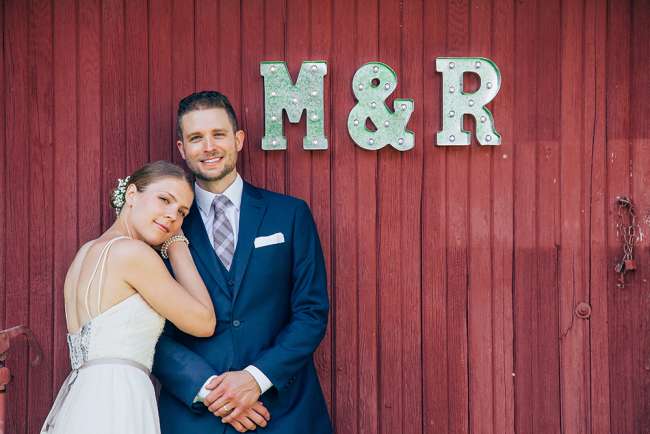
x=228, y=168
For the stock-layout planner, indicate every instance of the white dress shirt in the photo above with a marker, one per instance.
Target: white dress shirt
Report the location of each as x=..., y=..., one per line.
x=204, y=201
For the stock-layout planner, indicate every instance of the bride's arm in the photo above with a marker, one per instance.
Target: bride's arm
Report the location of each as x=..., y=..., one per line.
x=186, y=273
x=185, y=302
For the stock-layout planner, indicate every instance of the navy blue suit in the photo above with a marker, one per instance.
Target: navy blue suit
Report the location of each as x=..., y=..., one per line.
x=272, y=312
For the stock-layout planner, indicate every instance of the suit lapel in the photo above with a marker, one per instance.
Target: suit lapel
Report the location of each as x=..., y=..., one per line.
x=200, y=243
x=250, y=216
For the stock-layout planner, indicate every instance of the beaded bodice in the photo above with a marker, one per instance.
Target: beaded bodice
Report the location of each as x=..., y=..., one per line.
x=128, y=330
x=78, y=344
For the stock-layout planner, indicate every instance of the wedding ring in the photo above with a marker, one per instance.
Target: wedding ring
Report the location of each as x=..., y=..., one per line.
x=226, y=409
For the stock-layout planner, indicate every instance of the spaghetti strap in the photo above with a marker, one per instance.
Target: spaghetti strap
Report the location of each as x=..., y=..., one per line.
x=101, y=261
x=92, y=277
x=74, y=293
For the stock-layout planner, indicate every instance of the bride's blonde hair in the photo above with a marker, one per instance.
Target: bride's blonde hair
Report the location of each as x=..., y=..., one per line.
x=147, y=174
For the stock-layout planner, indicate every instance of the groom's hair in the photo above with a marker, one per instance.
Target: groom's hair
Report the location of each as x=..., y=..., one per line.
x=206, y=99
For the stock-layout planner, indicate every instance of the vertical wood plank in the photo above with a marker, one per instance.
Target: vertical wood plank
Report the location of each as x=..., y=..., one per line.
x=525, y=269
x=3, y=152
x=348, y=348
x=320, y=36
x=545, y=292
x=161, y=107
x=389, y=273
x=40, y=240
x=252, y=159
x=275, y=14
x=364, y=37
x=90, y=120
x=621, y=300
x=480, y=297
x=66, y=201
x=411, y=244
x=503, y=221
x=136, y=84
x=230, y=51
x=206, y=56
x=640, y=177
x=183, y=63
x=18, y=128
x=574, y=332
x=457, y=242
x=434, y=229
x=113, y=114
x=598, y=209
x=411, y=52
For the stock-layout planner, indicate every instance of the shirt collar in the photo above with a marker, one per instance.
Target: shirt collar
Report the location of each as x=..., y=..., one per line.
x=205, y=198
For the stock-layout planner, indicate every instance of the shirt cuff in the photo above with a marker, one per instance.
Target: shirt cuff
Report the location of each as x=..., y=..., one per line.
x=262, y=380
x=204, y=392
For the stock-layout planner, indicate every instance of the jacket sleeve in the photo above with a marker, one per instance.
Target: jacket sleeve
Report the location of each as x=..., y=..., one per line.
x=297, y=341
x=181, y=371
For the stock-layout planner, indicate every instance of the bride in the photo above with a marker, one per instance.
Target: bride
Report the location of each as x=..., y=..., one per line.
x=118, y=294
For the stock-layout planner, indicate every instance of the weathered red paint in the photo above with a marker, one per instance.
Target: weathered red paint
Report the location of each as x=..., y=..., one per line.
x=455, y=273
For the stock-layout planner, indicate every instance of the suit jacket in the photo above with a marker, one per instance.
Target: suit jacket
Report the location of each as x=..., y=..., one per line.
x=272, y=313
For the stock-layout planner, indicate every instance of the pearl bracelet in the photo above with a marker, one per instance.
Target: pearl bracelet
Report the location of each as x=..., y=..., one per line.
x=170, y=241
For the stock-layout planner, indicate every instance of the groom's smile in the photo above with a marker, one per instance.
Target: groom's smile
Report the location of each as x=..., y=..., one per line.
x=213, y=160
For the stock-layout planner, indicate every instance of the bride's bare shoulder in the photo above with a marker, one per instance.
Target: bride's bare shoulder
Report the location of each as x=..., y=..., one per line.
x=133, y=252
x=79, y=257
x=123, y=248
x=74, y=270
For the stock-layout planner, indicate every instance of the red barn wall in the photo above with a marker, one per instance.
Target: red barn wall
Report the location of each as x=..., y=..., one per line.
x=454, y=272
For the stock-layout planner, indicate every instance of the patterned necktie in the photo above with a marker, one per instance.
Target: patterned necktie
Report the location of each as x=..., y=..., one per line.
x=223, y=236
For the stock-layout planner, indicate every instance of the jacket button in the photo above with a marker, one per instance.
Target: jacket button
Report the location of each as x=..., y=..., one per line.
x=231, y=283
x=236, y=323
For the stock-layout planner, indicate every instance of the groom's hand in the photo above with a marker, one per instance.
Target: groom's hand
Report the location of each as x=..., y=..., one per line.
x=232, y=394
x=256, y=416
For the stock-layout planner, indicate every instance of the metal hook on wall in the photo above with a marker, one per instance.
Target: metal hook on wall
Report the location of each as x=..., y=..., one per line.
x=6, y=336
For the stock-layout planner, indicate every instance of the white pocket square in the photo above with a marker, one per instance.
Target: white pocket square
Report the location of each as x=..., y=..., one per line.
x=269, y=240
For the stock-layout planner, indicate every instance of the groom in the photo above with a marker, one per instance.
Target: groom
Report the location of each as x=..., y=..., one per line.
x=260, y=257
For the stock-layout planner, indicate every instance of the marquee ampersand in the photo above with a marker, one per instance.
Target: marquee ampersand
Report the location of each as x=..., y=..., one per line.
x=372, y=84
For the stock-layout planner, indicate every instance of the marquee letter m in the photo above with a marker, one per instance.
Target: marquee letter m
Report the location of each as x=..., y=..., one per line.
x=281, y=94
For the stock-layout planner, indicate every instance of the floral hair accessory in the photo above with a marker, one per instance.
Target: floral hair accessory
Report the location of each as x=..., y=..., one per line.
x=118, y=198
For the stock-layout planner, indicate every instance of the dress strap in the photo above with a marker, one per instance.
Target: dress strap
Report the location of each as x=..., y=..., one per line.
x=74, y=293
x=101, y=262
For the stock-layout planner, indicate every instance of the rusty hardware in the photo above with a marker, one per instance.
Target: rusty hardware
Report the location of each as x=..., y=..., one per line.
x=629, y=264
x=583, y=310
x=6, y=337
x=626, y=229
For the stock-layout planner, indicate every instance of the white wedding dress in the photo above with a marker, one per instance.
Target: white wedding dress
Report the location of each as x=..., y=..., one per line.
x=109, y=390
